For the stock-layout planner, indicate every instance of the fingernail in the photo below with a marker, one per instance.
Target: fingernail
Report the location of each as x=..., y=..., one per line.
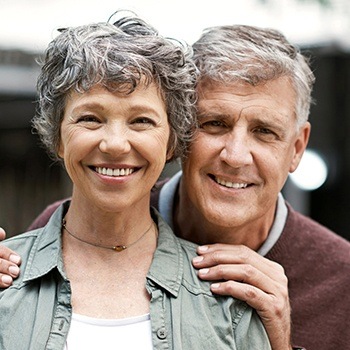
x=6, y=280
x=14, y=270
x=215, y=285
x=203, y=271
x=197, y=259
x=15, y=258
x=203, y=248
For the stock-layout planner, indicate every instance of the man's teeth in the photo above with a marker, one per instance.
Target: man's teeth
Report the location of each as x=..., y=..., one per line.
x=230, y=184
x=114, y=172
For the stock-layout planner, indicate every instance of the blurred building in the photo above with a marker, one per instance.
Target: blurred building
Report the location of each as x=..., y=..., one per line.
x=330, y=120
x=29, y=180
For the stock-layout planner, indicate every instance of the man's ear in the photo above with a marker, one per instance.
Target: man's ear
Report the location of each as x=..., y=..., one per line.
x=300, y=145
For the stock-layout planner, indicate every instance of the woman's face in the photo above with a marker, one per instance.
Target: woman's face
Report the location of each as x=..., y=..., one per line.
x=114, y=146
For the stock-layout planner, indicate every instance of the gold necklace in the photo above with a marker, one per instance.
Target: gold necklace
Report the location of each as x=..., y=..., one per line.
x=116, y=248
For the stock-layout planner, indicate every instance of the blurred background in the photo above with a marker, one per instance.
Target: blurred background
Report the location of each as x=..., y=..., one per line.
x=29, y=180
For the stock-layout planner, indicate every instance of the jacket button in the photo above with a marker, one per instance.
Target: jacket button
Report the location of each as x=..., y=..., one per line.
x=161, y=334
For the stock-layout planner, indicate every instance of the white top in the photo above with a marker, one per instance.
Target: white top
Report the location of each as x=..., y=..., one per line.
x=89, y=333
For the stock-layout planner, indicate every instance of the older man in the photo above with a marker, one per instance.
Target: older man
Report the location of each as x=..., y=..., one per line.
x=254, y=96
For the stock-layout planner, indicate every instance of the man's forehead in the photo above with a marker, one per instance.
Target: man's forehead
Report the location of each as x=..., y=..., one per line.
x=276, y=94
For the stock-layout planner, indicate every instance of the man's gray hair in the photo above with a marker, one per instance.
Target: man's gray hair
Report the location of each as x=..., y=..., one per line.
x=255, y=55
x=118, y=57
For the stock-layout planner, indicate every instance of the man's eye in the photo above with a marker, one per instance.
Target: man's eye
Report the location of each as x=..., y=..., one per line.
x=264, y=131
x=212, y=125
x=266, y=134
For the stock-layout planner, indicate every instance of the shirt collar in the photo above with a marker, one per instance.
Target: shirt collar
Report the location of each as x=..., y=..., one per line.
x=45, y=254
x=277, y=226
x=167, y=198
x=167, y=266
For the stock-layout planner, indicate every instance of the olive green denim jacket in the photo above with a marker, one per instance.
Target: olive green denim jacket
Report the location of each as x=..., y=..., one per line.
x=35, y=312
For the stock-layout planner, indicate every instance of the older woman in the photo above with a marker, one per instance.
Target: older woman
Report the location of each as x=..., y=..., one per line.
x=115, y=103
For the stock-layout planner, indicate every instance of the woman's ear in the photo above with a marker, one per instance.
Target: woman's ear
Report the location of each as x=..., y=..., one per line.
x=170, y=153
x=171, y=147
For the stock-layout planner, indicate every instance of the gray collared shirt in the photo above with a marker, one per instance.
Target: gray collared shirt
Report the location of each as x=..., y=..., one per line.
x=36, y=310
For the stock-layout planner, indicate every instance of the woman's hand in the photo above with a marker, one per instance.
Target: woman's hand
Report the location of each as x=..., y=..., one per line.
x=244, y=274
x=9, y=263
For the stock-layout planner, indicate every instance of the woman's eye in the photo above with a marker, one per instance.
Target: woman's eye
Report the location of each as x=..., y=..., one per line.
x=88, y=119
x=143, y=121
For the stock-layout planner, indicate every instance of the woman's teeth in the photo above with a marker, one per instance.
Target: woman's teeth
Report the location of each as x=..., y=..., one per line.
x=114, y=172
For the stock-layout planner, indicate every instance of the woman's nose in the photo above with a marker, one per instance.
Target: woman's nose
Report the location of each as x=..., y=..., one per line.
x=115, y=140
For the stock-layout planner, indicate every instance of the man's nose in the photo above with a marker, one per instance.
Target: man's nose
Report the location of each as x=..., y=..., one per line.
x=237, y=149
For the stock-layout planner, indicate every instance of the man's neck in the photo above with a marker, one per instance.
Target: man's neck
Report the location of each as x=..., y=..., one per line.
x=191, y=225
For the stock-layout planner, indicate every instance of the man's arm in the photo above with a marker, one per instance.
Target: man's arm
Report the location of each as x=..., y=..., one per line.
x=248, y=276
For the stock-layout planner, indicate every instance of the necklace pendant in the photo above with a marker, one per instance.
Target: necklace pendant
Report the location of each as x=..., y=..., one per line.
x=119, y=248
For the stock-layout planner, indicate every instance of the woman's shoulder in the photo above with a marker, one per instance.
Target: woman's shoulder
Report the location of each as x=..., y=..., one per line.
x=22, y=242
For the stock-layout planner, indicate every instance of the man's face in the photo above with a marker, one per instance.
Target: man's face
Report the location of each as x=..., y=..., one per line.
x=247, y=143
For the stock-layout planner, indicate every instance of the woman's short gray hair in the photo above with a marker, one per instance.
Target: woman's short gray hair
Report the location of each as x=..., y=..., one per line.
x=117, y=56
x=255, y=55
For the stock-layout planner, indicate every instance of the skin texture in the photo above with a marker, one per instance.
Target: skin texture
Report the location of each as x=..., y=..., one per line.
x=249, y=138
x=101, y=129
x=247, y=144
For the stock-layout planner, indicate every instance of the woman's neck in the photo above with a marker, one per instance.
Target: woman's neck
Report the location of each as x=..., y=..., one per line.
x=104, y=226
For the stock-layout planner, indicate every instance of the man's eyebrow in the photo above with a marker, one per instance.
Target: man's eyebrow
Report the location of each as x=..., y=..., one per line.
x=274, y=125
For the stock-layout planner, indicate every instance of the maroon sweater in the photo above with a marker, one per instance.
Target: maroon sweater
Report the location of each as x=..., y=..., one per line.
x=317, y=264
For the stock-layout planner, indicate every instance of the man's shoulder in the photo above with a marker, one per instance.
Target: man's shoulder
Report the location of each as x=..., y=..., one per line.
x=23, y=244
x=22, y=241
x=305, y=240
x=44, y=216
x=312, y=231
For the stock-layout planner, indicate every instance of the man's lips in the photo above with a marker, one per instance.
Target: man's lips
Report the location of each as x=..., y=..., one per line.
x=230, y=183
